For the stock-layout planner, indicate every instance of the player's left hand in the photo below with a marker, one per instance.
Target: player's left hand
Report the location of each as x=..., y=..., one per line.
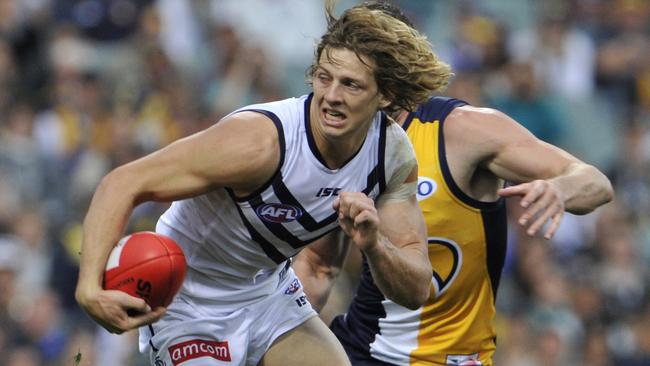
x=358, y=218
x=542, y=202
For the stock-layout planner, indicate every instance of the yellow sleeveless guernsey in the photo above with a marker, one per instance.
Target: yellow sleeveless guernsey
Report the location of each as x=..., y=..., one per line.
x=467, y=245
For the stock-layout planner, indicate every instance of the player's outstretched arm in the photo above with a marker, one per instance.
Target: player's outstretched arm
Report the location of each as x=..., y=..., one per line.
x=319, y=264
x=548, y=179
x=240, y=152
x=392, y=236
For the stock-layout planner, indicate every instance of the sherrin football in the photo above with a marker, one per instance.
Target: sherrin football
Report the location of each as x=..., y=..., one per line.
x=147, y=265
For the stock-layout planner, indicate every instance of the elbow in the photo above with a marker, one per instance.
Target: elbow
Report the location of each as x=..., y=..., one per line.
x=602, y=187
x=417, y=295
x=121, y=182
x=608, y=192
x=597, y=193
x=423, y=293
x=420, y=289
x=419, y=300
x=416, y=299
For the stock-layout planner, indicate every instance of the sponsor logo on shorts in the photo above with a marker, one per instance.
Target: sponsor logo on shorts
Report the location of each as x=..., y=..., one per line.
x=278, y=213
x=293, y=287
x=197, y=348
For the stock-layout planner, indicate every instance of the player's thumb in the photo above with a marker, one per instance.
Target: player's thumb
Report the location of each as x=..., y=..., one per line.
x=148, y=318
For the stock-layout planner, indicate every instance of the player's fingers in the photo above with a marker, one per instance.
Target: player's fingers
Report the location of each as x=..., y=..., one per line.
x=147, y=318
x=336, y=204
x=534, y=210
x=518, y=190
x=365, y=219
x=354, y=207
x=539, y=198
x=342, y=205
x=555, y=224
x=116, y=325
x=345, y=224
x=110, y=328
x=532, y=194
x=132, y=302
x=541, y=220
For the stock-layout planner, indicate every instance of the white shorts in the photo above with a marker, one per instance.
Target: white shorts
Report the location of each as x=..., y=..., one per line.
x=190, y=334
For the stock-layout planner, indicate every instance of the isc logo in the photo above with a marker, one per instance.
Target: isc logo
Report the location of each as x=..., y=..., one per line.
x=277, y=212
x=326, y=192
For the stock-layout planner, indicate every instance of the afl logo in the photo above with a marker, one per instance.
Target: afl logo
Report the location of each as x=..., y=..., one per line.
x=278, y=213
x=426, y=187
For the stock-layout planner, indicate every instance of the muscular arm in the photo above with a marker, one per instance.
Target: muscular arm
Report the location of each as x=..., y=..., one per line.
x=239, y=152
x=397, y=252
x=318, y=266
x=399, y=262
x=549, y=179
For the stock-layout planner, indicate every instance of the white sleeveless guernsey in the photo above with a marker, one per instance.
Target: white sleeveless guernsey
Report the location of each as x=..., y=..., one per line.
x=235, y=246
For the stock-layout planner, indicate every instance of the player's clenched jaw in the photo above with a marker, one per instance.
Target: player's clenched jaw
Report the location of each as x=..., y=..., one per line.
x=346, y=97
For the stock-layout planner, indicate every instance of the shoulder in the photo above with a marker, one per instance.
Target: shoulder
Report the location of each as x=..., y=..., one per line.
x=397, y=141
x=400, y=156
x=484, y=125
x=284, y=110
x=248, y=145
x=473, y=114
x=248, y=126
x=479, y=134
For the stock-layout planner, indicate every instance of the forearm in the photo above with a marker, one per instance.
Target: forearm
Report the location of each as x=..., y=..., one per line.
x=403, y=274
x=317, y=283
x=103, y=226
x=583, y=188
x=319, y=265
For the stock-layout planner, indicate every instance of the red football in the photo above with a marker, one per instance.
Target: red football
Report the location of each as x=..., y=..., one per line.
x=146, y=265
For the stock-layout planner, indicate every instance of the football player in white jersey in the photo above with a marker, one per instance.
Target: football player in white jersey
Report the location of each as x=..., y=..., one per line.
x=249, y=192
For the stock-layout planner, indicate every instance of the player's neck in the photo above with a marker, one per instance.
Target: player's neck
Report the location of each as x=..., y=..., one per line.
x=336, y=150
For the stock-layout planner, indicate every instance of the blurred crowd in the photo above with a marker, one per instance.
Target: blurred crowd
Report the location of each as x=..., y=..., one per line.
x=87, y=85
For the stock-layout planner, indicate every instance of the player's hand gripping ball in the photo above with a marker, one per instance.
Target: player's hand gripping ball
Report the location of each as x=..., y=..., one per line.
x=146, y=265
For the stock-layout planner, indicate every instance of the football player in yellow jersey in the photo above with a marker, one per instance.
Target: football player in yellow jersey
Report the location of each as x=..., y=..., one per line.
x=465, y=154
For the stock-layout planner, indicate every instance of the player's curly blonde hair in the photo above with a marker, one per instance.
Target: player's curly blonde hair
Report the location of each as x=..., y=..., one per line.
x=407, y=70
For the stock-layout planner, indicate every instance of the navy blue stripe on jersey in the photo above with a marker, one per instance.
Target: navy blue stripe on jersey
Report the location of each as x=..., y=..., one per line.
x=496, y=237
x=358, y=328
x=150, y=342
x=382, y=154
x=278, y=125
x=372, y=180
x=306, y=220
x=439, y=110
x=268, y=248
x=434, y=109
x=278, y=229
x=310, y=137
x=282, y=233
